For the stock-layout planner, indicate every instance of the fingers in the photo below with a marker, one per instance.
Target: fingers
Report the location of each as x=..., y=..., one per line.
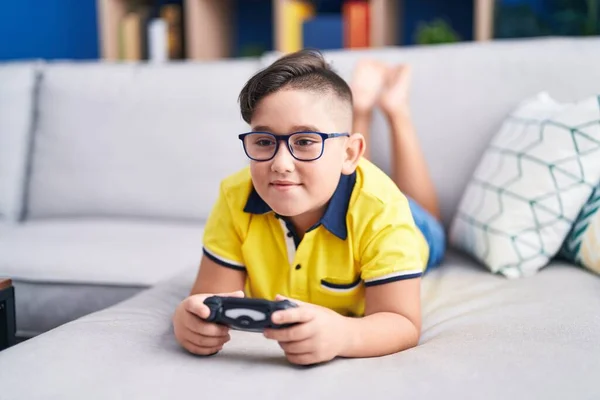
x=195, y=304
x=193, y=333
x=303, y=359
x=198, y=326
x=301, y=314
x=294, y=334
x=301, y=347
x=206, y=341
x=199, y=350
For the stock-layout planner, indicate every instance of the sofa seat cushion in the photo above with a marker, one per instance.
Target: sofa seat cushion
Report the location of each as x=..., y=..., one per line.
x=483, y=337
x=123, y=252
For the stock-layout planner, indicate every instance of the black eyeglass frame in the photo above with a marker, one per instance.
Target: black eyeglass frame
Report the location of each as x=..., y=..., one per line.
x=286, y=138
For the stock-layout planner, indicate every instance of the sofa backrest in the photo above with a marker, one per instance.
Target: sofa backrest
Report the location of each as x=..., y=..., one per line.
x=461, y=93
x=139, y=141
x=154, y=141
x=17, y=87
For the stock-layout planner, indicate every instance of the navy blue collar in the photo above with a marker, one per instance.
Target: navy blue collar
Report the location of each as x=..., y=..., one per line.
x=334, y=218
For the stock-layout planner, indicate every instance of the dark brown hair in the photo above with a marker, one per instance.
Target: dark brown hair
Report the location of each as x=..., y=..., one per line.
x=304, y=70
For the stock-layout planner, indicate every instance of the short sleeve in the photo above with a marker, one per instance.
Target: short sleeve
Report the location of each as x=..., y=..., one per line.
x=392, y=247
x=222, y=242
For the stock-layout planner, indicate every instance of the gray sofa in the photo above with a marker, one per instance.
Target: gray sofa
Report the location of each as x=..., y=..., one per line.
x=109, y=171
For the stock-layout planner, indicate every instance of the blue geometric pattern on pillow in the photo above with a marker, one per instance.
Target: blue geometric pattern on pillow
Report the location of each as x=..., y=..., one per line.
x=582, y=245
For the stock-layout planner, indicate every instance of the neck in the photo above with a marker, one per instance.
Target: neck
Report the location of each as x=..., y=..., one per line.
x=304, y=222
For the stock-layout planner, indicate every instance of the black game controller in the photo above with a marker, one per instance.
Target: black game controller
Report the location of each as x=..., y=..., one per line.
x=246, y=314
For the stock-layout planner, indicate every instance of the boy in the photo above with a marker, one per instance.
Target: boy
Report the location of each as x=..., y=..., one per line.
x=313, y=220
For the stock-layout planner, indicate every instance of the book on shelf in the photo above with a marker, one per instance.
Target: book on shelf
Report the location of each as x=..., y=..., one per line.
x=209, y=28
x=359, y=24
x=290, y=17
x=145, y=27
x=172, y=15
x=356, y=23
x=323, y=32
x=132, y=35
x=151, y=34
x=384, y=18
x=157, y=40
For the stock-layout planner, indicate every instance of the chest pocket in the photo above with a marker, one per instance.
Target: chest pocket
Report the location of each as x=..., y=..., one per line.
x=340, y=285
x=345, y=296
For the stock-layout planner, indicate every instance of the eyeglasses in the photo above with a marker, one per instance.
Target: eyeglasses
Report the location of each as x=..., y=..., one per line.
x=303, y=146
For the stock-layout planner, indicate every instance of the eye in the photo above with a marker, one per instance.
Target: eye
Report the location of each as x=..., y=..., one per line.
x=263, y=141
x=306, y=141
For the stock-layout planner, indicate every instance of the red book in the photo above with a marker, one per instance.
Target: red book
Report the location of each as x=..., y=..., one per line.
x=356, y=23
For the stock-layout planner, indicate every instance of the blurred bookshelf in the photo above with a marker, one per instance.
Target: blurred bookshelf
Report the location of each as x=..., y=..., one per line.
x=217, y=29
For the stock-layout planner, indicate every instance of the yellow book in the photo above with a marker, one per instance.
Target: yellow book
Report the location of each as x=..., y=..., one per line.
x=171, y=13
x=294, y=13
x=131, y=37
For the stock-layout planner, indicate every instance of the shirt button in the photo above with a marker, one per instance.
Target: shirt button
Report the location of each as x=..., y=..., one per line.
x=298, y=266
x=290, y=234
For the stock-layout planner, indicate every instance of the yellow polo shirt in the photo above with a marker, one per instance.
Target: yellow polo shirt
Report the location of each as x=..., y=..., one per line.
x=366, y=237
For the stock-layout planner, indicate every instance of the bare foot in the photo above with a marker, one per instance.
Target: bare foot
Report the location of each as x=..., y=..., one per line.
x=367, y=82
x=394, y=96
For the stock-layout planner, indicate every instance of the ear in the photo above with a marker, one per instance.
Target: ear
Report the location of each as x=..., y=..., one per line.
x=355, y=148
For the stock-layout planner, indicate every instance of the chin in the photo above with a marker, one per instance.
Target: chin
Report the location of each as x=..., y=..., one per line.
x=287, y=211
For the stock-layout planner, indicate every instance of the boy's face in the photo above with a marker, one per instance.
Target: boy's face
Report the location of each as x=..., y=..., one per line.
x=291, y=187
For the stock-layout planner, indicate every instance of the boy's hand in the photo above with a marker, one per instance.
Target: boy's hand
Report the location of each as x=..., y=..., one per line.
x=320, y=336
x=193, y=333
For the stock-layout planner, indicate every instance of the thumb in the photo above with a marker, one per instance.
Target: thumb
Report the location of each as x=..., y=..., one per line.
x=195, y=303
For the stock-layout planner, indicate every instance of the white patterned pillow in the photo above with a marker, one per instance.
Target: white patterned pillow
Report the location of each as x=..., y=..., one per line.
x=583, y=243
x=530, y=185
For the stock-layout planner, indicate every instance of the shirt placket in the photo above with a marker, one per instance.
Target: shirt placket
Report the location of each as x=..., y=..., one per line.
x=298, y=279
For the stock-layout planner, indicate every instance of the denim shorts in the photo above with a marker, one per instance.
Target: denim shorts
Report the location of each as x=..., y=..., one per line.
x=433, y=231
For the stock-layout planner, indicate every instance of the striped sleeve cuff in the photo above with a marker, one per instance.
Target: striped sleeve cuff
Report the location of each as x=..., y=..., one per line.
x=393, y=277
x=223, y=261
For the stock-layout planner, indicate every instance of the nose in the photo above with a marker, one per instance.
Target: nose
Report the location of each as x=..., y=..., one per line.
x=283, y=161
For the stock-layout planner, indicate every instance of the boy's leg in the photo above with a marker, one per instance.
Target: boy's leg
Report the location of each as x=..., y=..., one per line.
x=374, y=84
x=409, y=168
x=366, y=85
x=433, y=232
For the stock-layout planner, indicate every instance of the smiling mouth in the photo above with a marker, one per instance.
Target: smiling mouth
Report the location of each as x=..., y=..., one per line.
x=284, y=184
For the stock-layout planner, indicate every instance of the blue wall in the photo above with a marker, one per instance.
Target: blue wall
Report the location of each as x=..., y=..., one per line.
x=49, y=29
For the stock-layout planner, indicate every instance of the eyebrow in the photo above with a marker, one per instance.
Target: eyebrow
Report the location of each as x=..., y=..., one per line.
x=296, y=128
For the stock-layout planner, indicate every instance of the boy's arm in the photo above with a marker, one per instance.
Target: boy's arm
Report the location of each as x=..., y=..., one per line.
x=392, y=323
x=215, y=278
x=222, y=267
x=392, y=320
